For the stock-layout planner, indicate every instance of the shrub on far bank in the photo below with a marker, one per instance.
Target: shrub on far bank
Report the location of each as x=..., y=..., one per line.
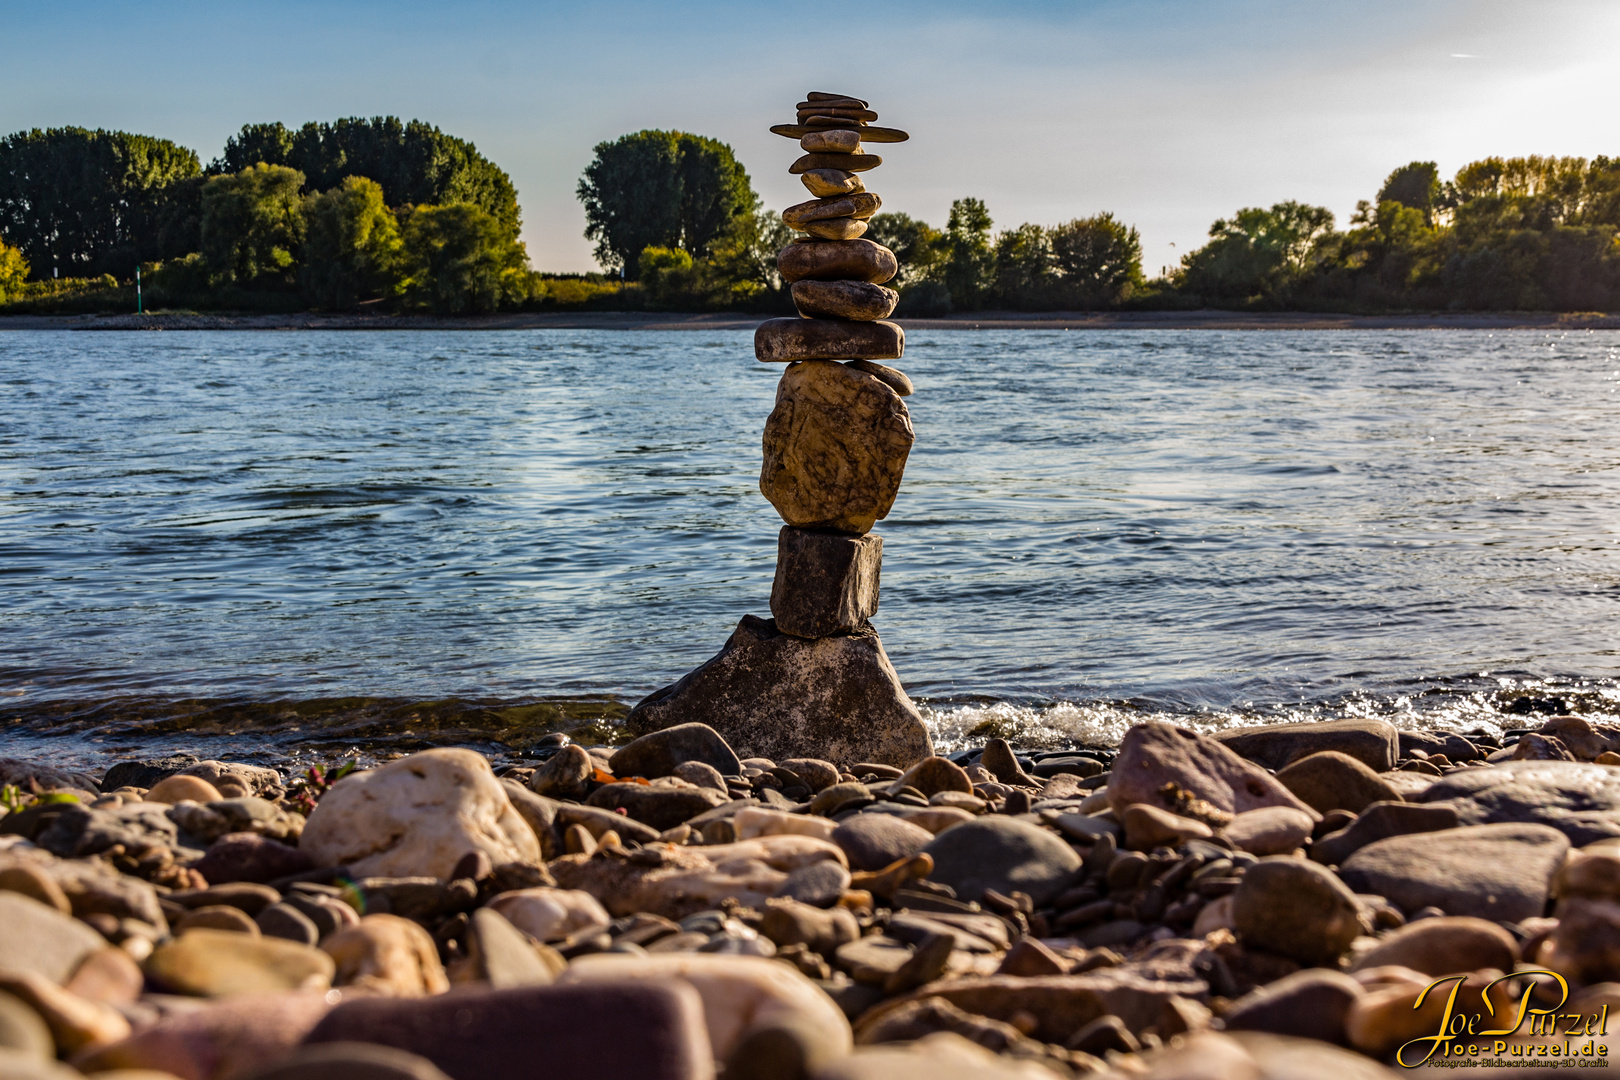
x=583, y=292
x=460, y=260
x=13, y=269
x=352, y=246
x=253, y=227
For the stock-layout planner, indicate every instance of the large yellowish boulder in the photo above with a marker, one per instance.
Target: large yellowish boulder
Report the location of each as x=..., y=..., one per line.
x=417, y=817
x=740, y=993
x=835, y=447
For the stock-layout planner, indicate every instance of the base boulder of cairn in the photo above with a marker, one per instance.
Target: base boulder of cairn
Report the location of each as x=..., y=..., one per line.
x=835, y=447
x=773, y=695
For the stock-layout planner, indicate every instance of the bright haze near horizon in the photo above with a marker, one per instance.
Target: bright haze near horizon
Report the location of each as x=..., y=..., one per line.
x=1169, y=114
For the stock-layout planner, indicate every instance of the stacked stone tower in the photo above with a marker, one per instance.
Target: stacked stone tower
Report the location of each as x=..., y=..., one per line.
x=815, y=681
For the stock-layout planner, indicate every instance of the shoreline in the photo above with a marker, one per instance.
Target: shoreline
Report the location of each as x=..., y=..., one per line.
x=1205, y=319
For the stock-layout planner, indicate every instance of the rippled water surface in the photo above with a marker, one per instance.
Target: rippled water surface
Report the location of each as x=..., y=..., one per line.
x=340, y=536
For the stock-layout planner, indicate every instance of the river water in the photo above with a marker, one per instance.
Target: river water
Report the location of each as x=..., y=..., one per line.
x=303, y=542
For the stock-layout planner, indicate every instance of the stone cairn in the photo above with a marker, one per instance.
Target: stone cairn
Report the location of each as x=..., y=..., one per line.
x=814, y=680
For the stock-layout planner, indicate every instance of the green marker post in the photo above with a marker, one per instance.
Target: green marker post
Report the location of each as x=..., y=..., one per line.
x=138, y=290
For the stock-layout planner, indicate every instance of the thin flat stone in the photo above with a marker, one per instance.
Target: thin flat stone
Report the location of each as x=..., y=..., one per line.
x=826, y=95
x=834, y=113
x=867, y=133
x=862, y=205
x=784, y=340
x=846, y=162
x=830, y=101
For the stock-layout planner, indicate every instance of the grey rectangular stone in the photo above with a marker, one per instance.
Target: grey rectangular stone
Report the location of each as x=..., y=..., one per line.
x=826, y=582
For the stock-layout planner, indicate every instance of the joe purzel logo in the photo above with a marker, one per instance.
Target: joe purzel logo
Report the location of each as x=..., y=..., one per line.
x=1562, y=1039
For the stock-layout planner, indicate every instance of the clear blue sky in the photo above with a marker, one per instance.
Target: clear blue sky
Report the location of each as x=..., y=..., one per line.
x=1168, y=113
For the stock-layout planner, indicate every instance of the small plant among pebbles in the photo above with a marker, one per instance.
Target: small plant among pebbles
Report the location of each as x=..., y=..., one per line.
x=314, y=784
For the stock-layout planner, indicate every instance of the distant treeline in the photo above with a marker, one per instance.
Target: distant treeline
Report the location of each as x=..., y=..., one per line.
x=381, y=212
x=329, y=215
x=1532, y=233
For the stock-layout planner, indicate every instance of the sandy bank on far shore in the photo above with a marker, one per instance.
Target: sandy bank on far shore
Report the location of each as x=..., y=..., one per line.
x=981, y=320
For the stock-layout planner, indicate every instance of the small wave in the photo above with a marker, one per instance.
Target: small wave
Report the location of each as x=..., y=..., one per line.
x=1488, y=704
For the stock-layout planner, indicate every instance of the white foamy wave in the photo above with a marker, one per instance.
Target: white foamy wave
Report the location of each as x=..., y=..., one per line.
x=1492, y=704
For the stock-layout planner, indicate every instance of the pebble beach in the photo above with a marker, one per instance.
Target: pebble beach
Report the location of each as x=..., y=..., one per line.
x=1273, y=900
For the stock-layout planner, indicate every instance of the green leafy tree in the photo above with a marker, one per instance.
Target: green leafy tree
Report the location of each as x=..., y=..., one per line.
x=253, y=226
x=460, y=259
x=742, y=260
x=13, y=269
x=970, y=264
x=1099, y=257
x=80, y=202
x=351, y=244
x=258, y=144
x=1417, y=186
x=415, y=163
x=1024, y=277
x=662, y=189
x=919, y=247
x=1257, y=255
